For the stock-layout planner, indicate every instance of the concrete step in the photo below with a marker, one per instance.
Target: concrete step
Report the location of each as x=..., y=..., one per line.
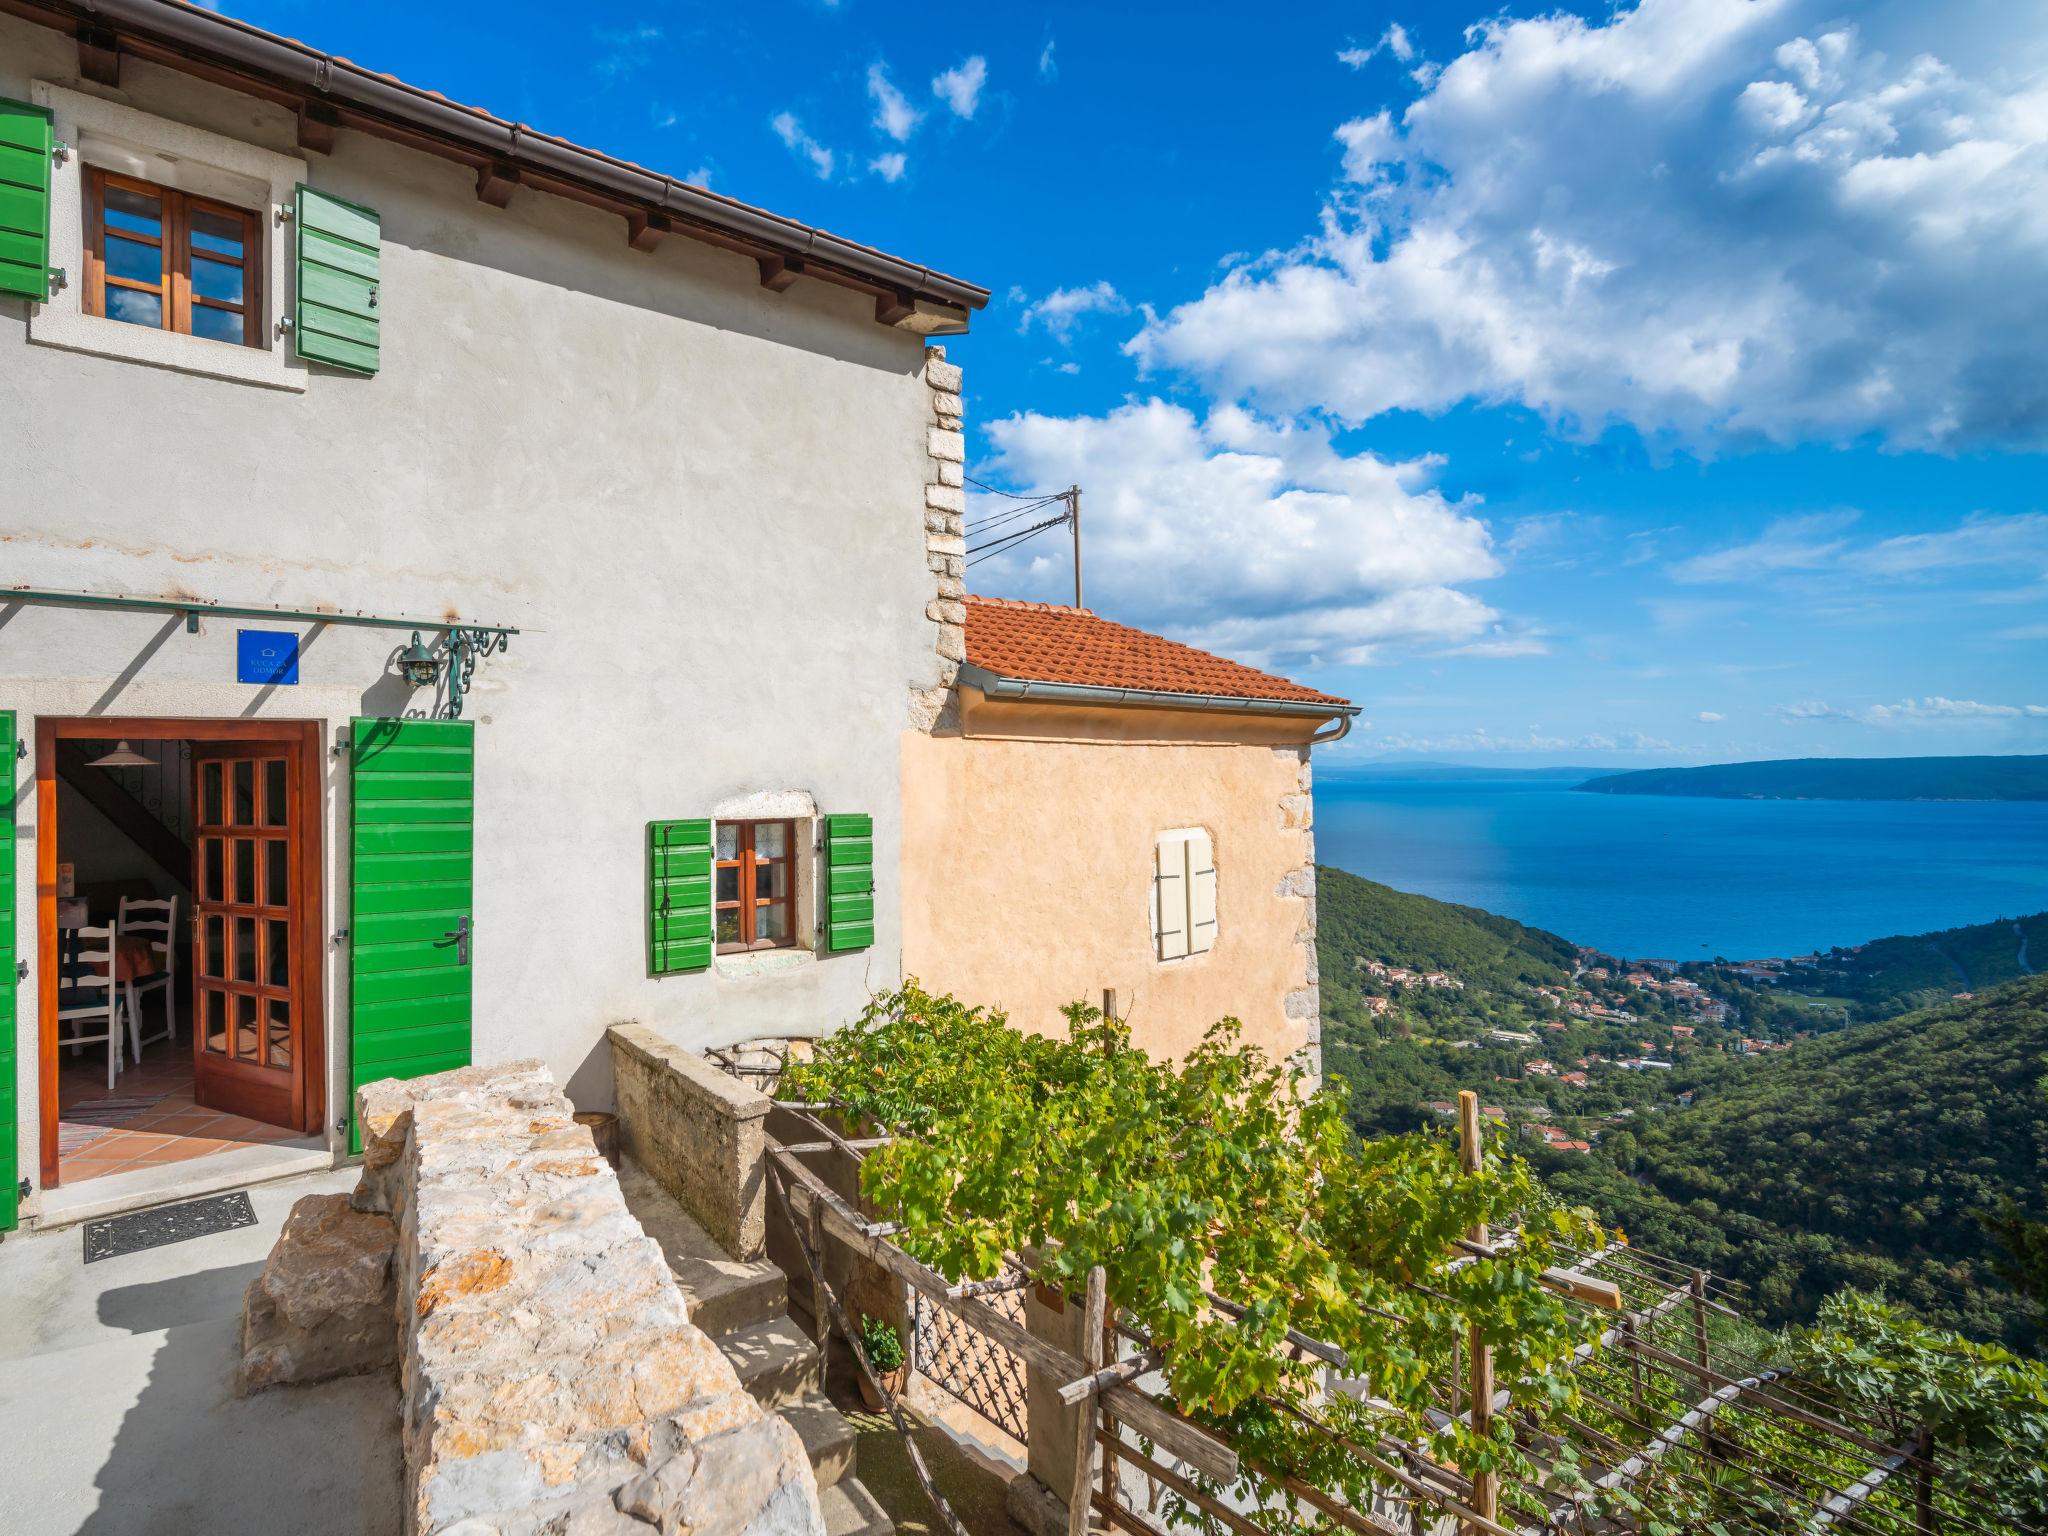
x=775, y=1361
x=850, y=1510
x=724, y=1295
x=828, y=1439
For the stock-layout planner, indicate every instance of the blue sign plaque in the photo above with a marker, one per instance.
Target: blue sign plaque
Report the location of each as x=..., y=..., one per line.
x=266, y=656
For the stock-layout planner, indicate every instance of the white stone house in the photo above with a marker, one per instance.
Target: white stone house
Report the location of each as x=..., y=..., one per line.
x=506, y=573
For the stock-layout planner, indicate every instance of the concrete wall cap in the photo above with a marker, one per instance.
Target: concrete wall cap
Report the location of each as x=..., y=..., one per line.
x=734, y=1096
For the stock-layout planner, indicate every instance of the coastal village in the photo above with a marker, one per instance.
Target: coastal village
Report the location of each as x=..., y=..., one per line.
x=1614, y=1020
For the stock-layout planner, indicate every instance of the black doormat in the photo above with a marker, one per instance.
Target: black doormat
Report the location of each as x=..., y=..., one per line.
x=117, y=1235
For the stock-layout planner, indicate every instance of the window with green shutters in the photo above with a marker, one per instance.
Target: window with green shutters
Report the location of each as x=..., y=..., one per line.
x=849, y=882
x=338, y=259
x=678, y=896
x=10, y=1172
x=25, y=145
x=412, y=788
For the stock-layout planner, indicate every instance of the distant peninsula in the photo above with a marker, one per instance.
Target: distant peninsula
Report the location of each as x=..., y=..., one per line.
x=1842, y=778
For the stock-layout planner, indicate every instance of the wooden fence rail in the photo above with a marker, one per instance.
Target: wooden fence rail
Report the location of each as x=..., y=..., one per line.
x=1675, y=1398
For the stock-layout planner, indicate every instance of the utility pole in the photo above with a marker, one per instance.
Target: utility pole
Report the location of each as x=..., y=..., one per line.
x=1074, y=517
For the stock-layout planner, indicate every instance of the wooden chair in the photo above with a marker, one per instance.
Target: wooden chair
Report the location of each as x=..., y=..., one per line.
x=157, y=918
x=86, y=991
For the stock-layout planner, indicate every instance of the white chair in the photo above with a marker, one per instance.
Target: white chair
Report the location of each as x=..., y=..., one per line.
x=158, y=919
x=86, y=991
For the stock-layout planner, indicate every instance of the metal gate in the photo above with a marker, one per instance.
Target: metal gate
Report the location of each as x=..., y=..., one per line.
x=971, y=1366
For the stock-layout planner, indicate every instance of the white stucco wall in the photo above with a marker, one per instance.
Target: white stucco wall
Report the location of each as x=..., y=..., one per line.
x=702, y=503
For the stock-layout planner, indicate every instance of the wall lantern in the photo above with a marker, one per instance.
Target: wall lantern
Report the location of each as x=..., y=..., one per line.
x=465, y=645
x=418, y=664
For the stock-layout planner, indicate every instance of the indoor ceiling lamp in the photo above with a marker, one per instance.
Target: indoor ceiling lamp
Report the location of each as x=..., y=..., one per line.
x=123, y=756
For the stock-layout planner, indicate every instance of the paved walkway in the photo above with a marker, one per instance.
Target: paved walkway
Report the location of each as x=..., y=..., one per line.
x=117, y=1411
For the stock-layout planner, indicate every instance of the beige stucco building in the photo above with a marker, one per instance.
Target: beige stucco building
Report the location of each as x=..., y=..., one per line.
x=1106, y=809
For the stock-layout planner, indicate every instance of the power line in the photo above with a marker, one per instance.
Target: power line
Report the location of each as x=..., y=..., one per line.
x=993, y=491
x=1010, y=541
x=1009, y=515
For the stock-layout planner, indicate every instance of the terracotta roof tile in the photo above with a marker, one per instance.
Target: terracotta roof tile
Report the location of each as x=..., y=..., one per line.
x=1048, y=643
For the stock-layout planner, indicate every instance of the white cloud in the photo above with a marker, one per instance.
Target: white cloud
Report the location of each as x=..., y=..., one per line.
x=894, y=114
x=1774, y=105
x=791, y=132
x=1822, y=542
x=1934, y=710
x=1394, y=40
x=960, y=86
x=1532, y=741
x=625, y=51
x=1503, y=642
x=889, y=166
x=1806, y=543
x=1246, y=536
x=1062, y=309
x=1710, y=717
x=1706, y=218
x=1048, y=66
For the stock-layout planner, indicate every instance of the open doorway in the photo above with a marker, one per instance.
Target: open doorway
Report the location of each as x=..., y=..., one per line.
x=180, y=942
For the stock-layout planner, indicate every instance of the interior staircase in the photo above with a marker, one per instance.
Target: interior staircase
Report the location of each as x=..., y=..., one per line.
x=744, y=1308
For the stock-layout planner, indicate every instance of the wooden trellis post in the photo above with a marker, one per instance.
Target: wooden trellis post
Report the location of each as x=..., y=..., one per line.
x=1472, y=1153
x=1701, y=1352
x=1081, y=1496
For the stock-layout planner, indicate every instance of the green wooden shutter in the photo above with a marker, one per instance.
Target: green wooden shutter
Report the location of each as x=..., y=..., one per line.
x=412, y=787
x=678, y=896
x=849, y=882
x=337, y=320
x=10, y=1171
x=25, y=144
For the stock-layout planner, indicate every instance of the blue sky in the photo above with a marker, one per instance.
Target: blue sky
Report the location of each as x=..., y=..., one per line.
x=1666, y=382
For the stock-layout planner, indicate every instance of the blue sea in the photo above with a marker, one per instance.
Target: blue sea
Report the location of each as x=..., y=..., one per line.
x=1645, y=875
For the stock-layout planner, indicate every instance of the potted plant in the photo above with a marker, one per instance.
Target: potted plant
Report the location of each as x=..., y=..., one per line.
x=883, y=1346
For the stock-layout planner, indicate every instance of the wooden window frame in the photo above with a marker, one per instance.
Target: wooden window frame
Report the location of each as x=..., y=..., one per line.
x=174, y=256
x=748, y=905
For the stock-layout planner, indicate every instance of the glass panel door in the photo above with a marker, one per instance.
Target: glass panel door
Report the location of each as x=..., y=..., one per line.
x=246, y=983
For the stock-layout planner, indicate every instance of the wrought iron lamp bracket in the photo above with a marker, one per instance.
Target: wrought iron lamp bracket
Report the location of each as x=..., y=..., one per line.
x=465, y=648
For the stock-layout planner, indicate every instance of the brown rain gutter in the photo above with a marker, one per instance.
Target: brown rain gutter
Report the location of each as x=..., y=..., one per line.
x=376, y=103
x=993, y=686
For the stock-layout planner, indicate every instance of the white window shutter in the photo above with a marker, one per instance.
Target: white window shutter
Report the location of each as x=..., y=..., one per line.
x=1201, y=893
x=1170, y=895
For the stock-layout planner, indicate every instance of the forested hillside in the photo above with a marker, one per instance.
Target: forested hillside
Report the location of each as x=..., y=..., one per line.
x=1422, y=998
x=1843, y=778
x=1495, y=957
x=1889, y=976
x=1861, y=1158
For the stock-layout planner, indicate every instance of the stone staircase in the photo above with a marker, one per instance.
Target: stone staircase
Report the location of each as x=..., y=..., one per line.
x=744, y=1308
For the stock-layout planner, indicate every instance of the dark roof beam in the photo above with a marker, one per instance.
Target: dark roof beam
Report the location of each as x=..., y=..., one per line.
x=496, y=182
x=319, y=124
x=644, y=230
x=779, y=273
x=99, y=55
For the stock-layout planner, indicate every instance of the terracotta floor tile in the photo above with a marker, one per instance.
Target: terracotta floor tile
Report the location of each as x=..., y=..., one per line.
x=152, y=1121
x=185, y=1122
x=184, y=1149
x=119, y=1145
x=84, y=1171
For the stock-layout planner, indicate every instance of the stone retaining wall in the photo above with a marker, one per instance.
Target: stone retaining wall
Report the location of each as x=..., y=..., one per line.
x=698, y=1130
x=550, y=1379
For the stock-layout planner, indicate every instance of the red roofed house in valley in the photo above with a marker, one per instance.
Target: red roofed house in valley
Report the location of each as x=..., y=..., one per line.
x=1105, y=808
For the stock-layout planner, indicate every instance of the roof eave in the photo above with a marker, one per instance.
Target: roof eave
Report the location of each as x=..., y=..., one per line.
x=993, y=685
x=908, y=296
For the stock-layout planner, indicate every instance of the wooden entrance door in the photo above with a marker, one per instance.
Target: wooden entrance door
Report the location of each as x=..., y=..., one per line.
x=248, y=981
